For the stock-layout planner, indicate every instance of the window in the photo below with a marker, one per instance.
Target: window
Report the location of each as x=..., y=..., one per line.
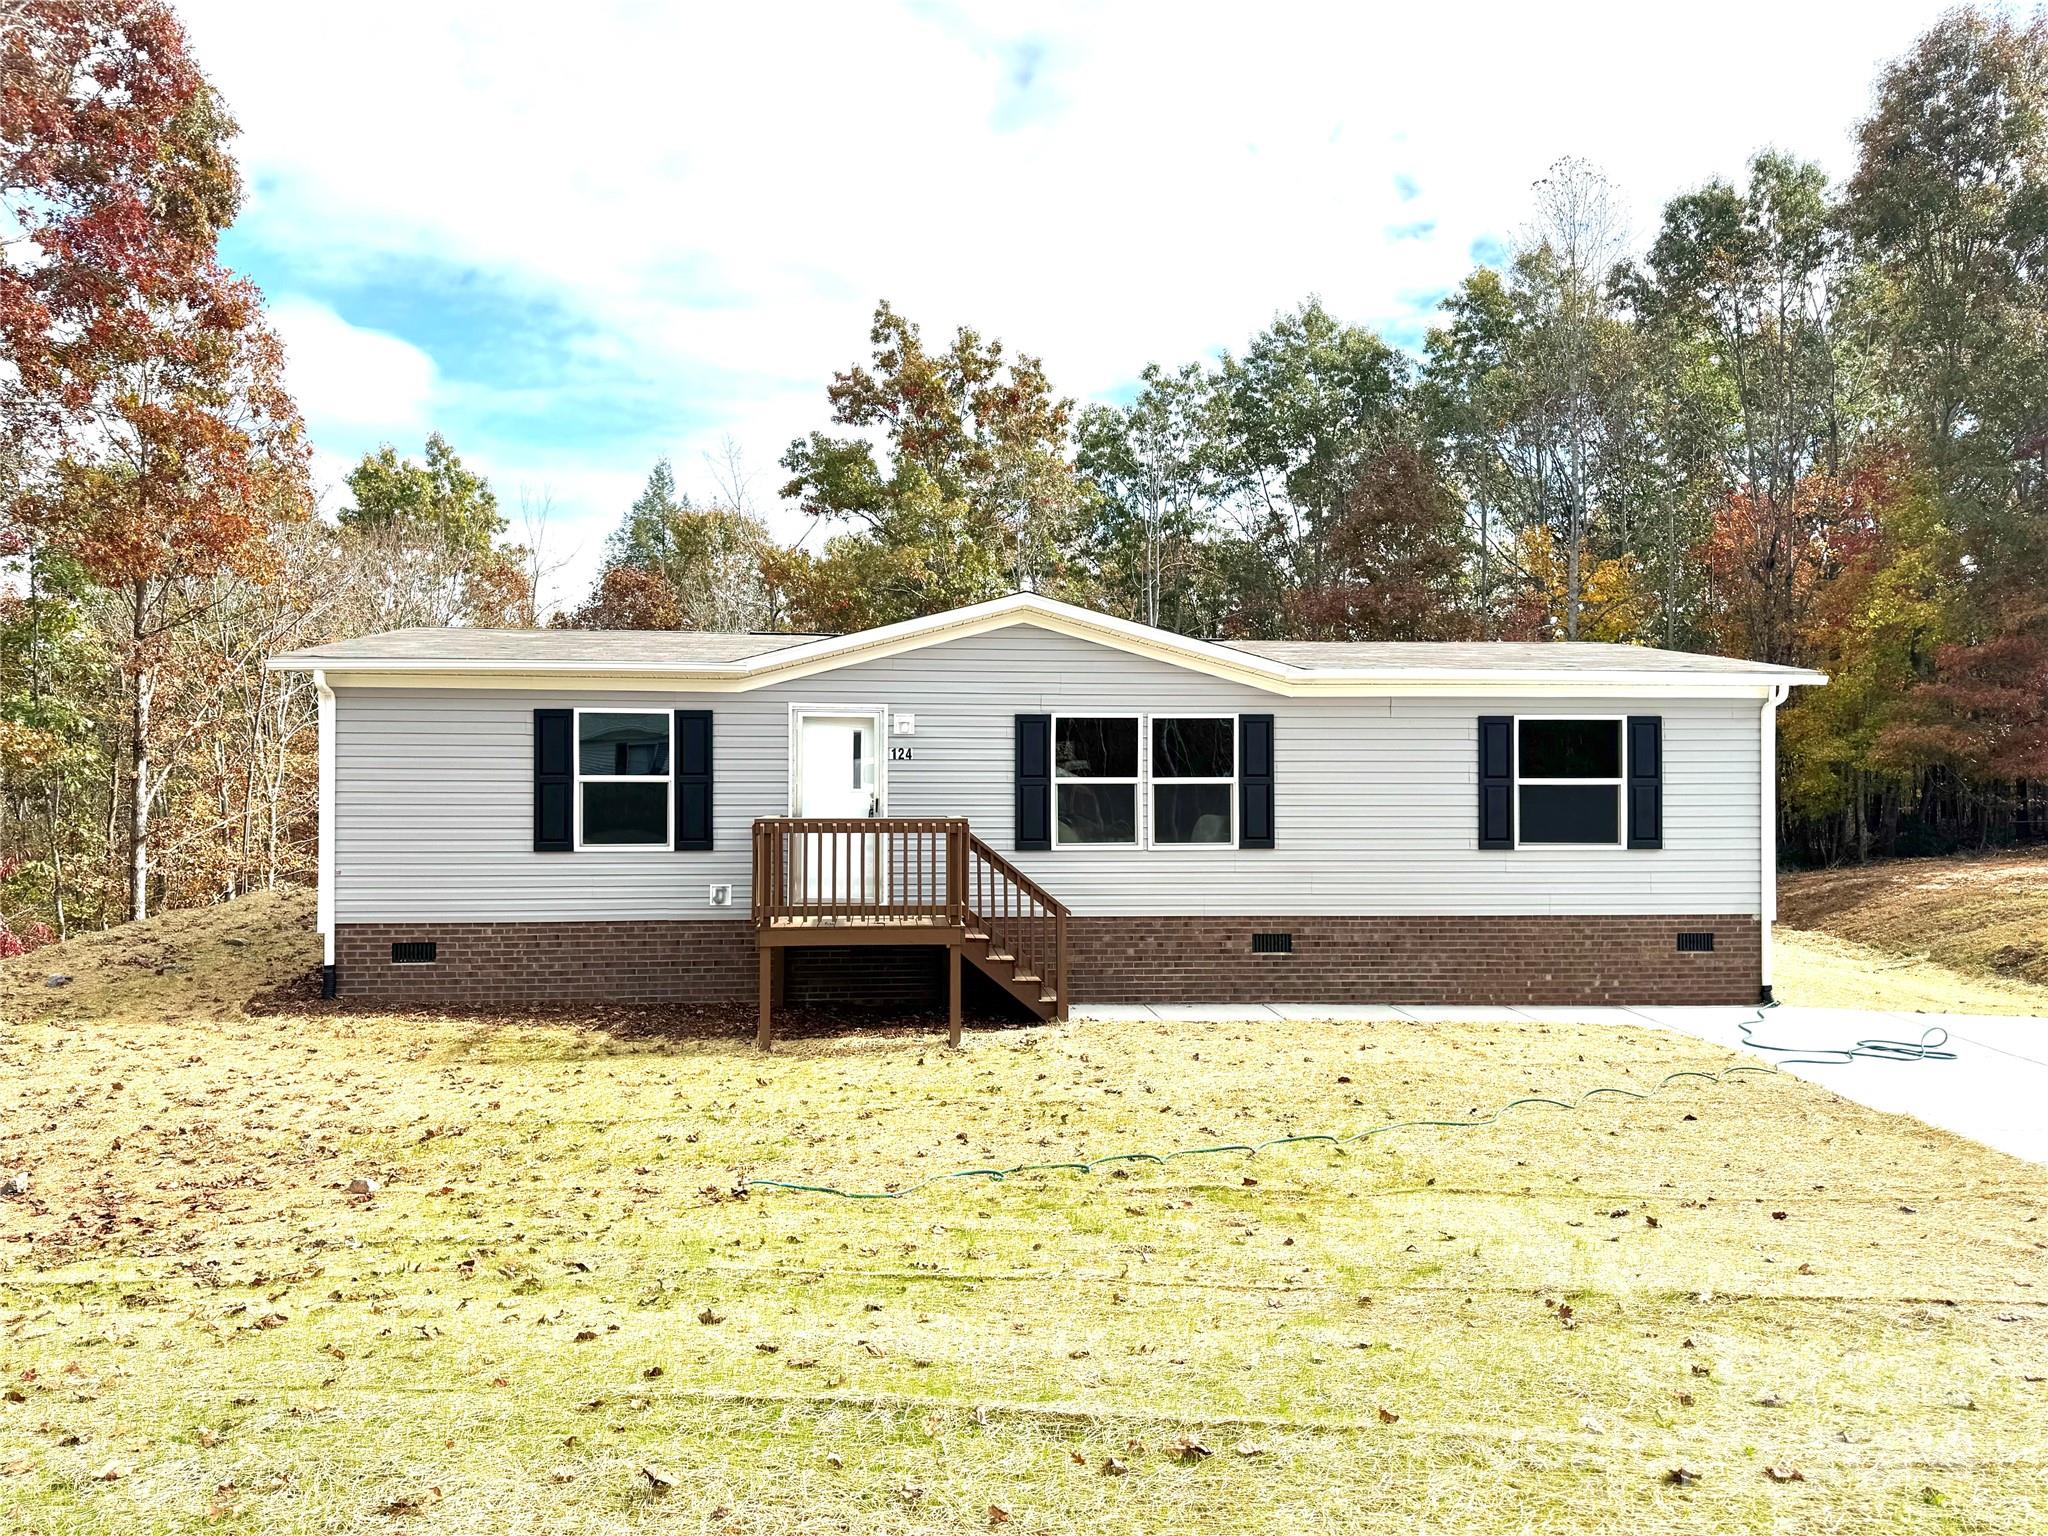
x=622, y=779
x=1568, y=775
x=1194, y=779
x=1095, y=779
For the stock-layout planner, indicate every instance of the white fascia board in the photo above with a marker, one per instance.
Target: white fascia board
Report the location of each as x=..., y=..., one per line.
x=1220, y=661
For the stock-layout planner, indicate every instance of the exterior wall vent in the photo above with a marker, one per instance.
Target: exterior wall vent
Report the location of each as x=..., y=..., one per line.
x=1272, y=943
x=1699, y=942
x=413, y=952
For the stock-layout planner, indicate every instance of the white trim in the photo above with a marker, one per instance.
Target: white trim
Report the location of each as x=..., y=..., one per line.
x=1767, y=811
x=323, y=902
x=1221, y=661
x=578, y=778
x=1619, y=784
x=878, y=713
x=1153, y=779
x=1139, y=829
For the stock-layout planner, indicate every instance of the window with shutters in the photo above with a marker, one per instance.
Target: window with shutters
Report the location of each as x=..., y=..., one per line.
x=1194, y=780
x=1095, y=779
x=623, y=778
x=1568, y=777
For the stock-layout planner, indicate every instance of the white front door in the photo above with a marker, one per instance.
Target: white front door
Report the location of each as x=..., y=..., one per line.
x=835, y=766
x=837, y=776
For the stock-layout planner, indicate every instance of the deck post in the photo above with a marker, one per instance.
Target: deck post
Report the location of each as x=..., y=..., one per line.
x=952, y=994
x=1060, y=980
x=764, y=1037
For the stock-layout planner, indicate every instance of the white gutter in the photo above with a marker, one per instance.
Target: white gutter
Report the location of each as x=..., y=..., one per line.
x=323, y=919
x=1767, y=788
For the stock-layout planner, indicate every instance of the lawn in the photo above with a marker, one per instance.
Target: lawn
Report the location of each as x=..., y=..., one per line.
x=1983, y=916
x=1742, y=1305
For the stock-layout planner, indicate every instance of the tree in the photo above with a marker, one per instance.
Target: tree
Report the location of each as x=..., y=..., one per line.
x=152, y=440
x=1535, y=390
x=1949, y=209
x=1737, y=299
x=438, y=499
x=1151, y=467
x=978, y=459
x=1299, y=413
x=669, y=565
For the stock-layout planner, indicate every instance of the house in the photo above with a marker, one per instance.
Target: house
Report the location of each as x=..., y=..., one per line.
x=1057, y=804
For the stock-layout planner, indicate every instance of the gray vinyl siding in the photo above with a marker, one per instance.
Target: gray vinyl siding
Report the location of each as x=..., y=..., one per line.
x=1375, y=797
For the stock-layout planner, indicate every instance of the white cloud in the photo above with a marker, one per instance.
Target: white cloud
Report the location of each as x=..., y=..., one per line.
x=718, y=196
x=350, y=381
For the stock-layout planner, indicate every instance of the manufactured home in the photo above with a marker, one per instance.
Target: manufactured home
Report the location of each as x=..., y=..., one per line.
x=1041, y=805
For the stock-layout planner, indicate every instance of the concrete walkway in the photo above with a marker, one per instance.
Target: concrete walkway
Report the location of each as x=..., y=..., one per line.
x=1995, y=1091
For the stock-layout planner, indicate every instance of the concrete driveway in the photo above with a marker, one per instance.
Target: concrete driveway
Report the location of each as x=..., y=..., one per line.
x=1994, y=1092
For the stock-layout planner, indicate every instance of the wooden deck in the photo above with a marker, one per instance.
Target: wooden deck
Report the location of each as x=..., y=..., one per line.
x=905, y=880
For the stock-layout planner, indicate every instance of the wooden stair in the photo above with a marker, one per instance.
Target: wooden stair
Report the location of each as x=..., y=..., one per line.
x=906, y=880
x=1033, y=991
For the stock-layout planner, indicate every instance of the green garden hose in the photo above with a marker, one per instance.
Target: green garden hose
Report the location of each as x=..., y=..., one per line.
x=1926, y=1049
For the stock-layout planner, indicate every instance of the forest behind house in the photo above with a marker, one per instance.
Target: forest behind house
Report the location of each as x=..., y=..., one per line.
x=1798, y=421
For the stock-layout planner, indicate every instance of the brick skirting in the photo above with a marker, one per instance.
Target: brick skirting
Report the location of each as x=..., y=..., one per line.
x=1569, y=960
x=1556, y=960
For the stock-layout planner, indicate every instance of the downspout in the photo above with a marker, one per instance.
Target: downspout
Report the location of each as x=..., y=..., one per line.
x=1767, y=802
x=323, y=920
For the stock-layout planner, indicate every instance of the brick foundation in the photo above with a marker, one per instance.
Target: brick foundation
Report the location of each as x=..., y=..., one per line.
x=1557, y=960
x=1569, y=960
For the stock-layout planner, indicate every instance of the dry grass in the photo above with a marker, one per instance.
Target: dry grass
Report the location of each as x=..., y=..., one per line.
x=555, y=1286
x=1984, y=915
x=1818, y=970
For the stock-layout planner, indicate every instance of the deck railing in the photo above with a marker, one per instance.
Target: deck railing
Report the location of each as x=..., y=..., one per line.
x=860, y=870
x=1020, y=917
x=906, y=871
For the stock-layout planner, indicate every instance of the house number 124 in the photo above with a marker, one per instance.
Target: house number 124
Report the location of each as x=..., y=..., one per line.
x=899, y=754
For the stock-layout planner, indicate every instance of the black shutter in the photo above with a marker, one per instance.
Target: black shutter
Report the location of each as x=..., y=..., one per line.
x=554, y=780
x=1254, y=781
x=1496, y=781
x=1034, y=782
x=693, y=780
x=1646, y=781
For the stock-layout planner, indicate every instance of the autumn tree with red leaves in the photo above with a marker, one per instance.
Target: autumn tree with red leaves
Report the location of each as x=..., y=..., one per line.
x=151, y=438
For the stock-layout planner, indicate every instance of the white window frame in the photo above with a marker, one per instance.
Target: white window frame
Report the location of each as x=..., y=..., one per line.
x=1139, y=828
x=668, y=780
x=1153, y=779
x=1619, y=783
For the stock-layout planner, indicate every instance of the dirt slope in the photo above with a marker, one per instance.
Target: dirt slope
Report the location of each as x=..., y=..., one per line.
x=206, y=962
x=1986, y=913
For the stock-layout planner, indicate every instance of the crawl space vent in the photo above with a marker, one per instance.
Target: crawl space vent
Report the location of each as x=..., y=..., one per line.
x=413, y=952
x=1272, y=943
x=1698, y=943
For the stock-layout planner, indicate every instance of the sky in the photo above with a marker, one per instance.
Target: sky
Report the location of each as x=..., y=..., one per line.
x=576, y=239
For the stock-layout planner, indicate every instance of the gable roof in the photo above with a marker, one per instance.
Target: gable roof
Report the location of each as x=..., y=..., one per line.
x=738, y=662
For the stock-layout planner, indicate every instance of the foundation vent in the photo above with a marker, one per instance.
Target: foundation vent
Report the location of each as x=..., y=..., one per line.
x=1272, y=943
x=413, y=952
x=1698, y=942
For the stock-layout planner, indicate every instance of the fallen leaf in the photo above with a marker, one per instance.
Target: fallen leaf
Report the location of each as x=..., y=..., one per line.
x=1681, y=1477
x=1249, y=1448
x=1187, y=1448
x=413, y=1503
x=1111, y=1467
x=1785, y=1474
x=660, y=1479
x=997, y=1515
x=709, y=1316
x=1388, y=1416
